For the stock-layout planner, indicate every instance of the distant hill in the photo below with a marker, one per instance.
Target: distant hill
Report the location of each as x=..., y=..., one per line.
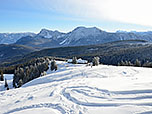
x=10, y=38
x=110, y=53
x=8, y=52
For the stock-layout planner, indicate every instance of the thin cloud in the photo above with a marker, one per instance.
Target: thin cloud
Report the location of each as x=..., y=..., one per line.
x=129, y=11
x=107, y=14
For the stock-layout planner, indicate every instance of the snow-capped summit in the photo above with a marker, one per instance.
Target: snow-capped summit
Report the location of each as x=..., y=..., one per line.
x=81, y=35
x=50, y=34
x=83, y=31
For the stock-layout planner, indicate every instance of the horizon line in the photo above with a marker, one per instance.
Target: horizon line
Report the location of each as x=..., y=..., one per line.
x=67, y=31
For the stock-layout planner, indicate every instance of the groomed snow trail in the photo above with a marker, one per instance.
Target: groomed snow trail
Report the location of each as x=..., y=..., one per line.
x=80, y=89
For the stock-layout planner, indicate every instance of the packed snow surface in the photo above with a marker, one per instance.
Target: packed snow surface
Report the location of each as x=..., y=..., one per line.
x=80, y=89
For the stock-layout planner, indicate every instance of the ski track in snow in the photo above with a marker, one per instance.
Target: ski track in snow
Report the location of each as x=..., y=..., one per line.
x=67, y=93
x=148, y=112
x=46, y=105
x=70, y=90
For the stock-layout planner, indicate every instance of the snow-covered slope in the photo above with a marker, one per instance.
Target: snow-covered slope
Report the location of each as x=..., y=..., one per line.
x=80, y=89
x=50, y=34
x=84, y=36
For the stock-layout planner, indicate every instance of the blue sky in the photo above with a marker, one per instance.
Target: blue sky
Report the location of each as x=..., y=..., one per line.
x=65, y=15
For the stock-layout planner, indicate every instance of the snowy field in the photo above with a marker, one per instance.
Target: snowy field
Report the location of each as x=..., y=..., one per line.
x=80, y=89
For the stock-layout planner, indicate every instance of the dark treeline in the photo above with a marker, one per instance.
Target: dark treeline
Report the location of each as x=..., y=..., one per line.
x=136, y=63
x=9, y=68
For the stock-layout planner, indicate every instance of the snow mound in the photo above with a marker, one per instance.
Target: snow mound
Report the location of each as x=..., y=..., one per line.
x=79, y=61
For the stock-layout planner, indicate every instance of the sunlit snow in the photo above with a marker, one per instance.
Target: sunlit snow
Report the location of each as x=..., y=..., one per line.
x=80, y=89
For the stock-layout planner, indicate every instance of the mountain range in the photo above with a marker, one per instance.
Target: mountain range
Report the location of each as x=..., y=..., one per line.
x=78, y=37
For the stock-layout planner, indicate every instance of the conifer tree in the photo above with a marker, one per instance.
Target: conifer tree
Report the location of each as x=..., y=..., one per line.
x=74, y=60
x=129, y=63
x=122, y=63
x=2, y=76
x=14, y=82
x=53, y=65
x=20, y=83
x=119, y=64
x=126, y=63
x=95, y=61
x=6, y=85
x=137, y=63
